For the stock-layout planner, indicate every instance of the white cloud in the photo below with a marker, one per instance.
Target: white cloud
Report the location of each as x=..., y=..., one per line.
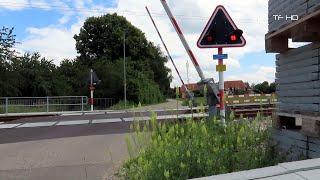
x=249, y=15
x=261, y=73
x=51, y=42
x=13, y=4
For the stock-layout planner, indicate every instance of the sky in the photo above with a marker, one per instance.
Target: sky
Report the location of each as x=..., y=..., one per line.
x=48, y=27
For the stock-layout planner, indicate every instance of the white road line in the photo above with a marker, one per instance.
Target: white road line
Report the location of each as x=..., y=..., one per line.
x=101, y=121
x=196, y=115
x=67, y=123
x=72, y=114
x=166, y=117
x=94, y=113
x=37, y=124
x=136, y=119
x=9, y=126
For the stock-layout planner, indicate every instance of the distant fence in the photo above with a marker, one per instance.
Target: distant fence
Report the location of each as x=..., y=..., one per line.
x=10, y=105
x=251, y=99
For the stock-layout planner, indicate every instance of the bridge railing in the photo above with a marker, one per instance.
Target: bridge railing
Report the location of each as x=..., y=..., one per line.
x=10, y=105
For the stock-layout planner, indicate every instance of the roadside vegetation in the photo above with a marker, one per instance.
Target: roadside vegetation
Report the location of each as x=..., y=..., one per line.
x=182, y=150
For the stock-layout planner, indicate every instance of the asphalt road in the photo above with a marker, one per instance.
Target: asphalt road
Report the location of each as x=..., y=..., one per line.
x=87, y=151
x=69, y=147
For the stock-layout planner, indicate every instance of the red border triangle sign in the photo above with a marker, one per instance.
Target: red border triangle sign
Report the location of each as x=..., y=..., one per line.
x=221, y=31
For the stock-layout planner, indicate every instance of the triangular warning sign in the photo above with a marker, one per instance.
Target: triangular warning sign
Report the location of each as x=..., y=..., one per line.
x=221, y=31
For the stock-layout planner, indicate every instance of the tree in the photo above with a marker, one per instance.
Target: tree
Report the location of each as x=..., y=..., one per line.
x=265, y=88
x=100, y=45
x=7, y=41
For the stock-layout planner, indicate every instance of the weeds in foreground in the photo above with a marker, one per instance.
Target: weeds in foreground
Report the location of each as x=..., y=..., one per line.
x=195, y=149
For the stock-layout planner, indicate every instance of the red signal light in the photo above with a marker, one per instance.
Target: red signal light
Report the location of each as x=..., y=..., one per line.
x=209, y=38
x=233, y=37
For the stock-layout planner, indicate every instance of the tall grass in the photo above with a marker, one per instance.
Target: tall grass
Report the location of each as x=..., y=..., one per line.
x=197, y=148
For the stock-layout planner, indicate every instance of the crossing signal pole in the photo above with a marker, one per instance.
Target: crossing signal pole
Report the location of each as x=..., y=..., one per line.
x=221, y=32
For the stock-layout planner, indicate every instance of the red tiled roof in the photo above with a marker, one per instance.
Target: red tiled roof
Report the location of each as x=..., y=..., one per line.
x=235, y=84
x=191, y=87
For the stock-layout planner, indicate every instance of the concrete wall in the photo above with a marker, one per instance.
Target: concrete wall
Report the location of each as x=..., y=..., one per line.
x=288, y=8
x=298, y=76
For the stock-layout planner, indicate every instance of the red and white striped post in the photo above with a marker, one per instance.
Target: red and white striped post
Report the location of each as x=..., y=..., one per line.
x=221, y=89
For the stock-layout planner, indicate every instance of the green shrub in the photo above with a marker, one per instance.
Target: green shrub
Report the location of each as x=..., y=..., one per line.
x=143, y=90
x=196, y=149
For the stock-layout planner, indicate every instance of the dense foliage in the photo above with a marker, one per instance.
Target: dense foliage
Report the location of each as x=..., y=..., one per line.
x=265, y=87
x=196, y=149
x=100, y=47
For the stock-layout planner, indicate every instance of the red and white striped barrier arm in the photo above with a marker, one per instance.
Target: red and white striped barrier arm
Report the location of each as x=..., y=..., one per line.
x=187, y=47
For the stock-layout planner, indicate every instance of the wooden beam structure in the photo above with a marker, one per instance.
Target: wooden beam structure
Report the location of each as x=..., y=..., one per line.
x=306, y=29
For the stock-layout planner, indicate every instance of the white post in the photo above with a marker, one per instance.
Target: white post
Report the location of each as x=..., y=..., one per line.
x=91, y=89
x=82, y=104
x=7, y=105
x=47, y=104
x=221, y=91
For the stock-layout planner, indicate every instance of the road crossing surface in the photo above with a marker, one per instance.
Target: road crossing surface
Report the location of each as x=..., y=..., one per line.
x=69, y=147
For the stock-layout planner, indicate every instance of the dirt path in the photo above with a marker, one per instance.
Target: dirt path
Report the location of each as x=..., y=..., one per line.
x=170, y=104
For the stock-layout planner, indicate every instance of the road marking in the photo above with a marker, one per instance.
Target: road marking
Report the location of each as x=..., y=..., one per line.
x=72, y=114
x=94, y=113
x=137, y=119
x=100, y=121
x=196, y=115
x=166, y=117
x=9, y=126
x=67, y=123
x=37, y=124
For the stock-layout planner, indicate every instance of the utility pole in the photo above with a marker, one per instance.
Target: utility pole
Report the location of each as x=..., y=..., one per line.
x=124, y=70
x=91, y=89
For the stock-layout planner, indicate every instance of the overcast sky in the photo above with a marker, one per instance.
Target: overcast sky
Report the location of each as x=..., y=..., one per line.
x=48, y=27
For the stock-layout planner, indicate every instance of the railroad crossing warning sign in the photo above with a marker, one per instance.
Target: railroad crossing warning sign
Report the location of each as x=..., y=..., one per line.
x=221, y=32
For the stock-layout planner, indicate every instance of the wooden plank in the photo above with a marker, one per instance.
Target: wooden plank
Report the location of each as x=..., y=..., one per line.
x=298, y=107
x=294, y=52
x=286, y=30
x=299, y=86
x=277, y=45
x=290, y=134
x=290, y=143
x=313, y=155
x=298, y=79
x=300, y=100
x=298, y=71
x=306, y=54
x=314, y=147
x=299, y=93
x=298, y=64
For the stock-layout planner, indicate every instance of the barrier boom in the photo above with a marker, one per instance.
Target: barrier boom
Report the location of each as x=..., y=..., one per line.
x=211, y=83
x=169, y=55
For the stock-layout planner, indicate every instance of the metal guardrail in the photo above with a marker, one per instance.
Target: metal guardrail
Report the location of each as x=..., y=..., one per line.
x=9, y=105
